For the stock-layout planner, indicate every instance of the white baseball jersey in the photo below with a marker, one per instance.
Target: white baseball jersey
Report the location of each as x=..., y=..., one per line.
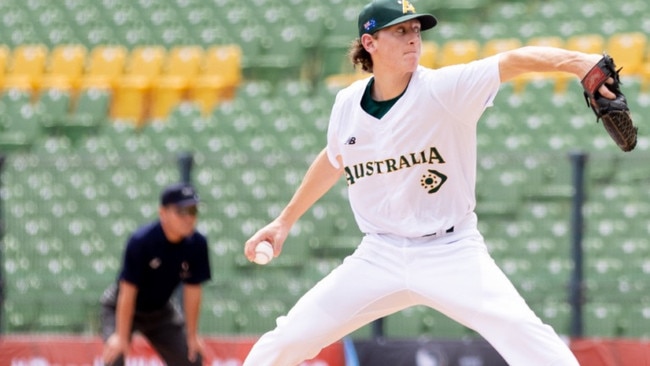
x=413, y=172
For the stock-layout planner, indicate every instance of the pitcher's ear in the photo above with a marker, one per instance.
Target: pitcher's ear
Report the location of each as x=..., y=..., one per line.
x=368, y=42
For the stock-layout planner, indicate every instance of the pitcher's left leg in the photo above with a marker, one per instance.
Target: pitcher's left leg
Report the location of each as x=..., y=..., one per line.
x=509, y=324
x=479, y=295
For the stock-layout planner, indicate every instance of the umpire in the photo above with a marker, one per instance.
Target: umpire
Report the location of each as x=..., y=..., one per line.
x=158, y=257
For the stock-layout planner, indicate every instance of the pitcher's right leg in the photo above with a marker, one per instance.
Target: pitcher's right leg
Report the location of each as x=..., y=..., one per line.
x=362, y=289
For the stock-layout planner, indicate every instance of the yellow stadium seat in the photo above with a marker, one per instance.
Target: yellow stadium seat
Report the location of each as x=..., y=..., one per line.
x=546, y=41
x=66, y=65
x=105, y=66
x=645, y=73
x=559, y=78
x=181, y=68
x=225, y=60
x=628, y=51
x=459, y=51
x=26, y=67
x=588, y=43
x=340, y=81
x=184, y=62
x=429, y=54
x=132, y=90
x=131, y=100
x=498, y=45
x=220, y=75
x=4, y=60
x=145, y=62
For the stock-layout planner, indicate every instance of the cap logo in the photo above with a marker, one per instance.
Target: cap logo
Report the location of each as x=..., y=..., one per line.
x=407, y=7
x=187, y=191
x=369, y=24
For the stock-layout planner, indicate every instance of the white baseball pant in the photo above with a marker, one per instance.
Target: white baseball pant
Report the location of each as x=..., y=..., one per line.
x=451, y=273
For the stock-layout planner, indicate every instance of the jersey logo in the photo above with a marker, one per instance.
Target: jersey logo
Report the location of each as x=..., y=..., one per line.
x=154, y=263
x=371, y=168
x=185, y=271
x=433, y=181
x=351, y=141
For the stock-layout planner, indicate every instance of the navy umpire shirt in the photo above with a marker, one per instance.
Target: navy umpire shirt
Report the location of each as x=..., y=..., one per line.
x=156, y=266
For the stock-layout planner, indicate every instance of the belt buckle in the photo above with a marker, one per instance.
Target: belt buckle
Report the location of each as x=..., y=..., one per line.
x=441, y=232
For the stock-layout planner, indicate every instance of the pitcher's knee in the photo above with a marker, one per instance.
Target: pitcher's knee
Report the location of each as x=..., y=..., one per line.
x=281, y=347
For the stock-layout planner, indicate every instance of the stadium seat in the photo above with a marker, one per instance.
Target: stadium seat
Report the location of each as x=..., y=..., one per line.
x=131, y=100
x=105, y=66
x=429, y=54
x=22, y=312
x=65, y=67
x=4, y=60
x=635, y=320
x=498, y=45
x=26, y=67
x=145, y=62
x=88, y=114
x=602, y=319
x=546, y=41
x=628, y=51
x=491, y=30
x=459, y=51
x=91, y=107
x=588, y=43
x=282, y=50
x=50, y=145
x=132, y=92
x=555, y=313
x=56, y=102
x=559, y=78
x=509, y=11
x=219, y=314
x=219, y=77
x=19, y=122
x=407, y=323
x=98, y=34
x=180, y=70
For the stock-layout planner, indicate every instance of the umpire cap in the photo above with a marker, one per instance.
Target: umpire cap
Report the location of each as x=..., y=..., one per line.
x=180, y=194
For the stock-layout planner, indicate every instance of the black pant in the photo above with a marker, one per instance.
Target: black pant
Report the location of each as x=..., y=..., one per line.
x=164, y=329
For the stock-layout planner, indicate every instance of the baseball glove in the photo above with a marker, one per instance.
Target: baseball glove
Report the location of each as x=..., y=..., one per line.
x=614, y=113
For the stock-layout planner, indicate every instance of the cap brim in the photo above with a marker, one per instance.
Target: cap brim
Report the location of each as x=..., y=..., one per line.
x=427, y=21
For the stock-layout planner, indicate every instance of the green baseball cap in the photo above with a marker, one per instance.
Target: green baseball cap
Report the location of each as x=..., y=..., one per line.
x=380, y=14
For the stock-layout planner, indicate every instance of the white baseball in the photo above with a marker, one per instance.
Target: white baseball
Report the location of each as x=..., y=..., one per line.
x=263, y=253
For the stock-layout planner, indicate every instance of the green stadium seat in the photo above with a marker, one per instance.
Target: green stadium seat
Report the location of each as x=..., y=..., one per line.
x=440, y=326
x=407, y=323
x=21, y=315
x=54, y=146
x=261, y=315
x=602, y=319
x=91, y=110
x=20, y=121
x=57, y=104
x=282, y=47
x=219, y=314
x=635, y=320
x=555, y=313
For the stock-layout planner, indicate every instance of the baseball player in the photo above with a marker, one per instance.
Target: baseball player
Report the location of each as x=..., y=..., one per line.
x=404, y=139
x=158, y=257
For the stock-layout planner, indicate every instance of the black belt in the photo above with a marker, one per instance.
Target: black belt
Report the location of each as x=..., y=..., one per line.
x=448, y=231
